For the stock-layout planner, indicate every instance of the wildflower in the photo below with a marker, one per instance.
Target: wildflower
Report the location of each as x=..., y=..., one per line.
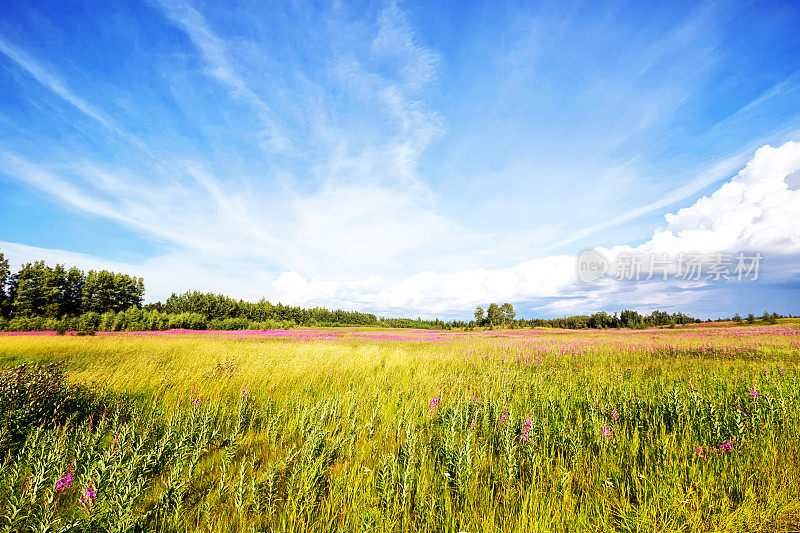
x=605, y=431
x=434, y=403
x=503, y=418
x=526, y=429
x=609, y=483
x=196, y=402
x=89, y=495
x=754, y=394
x=63, y=483
x=244, y=392
x=726, y=446
x=367, y=470
x=446, y=474
x=615, y=414
x=87, y=499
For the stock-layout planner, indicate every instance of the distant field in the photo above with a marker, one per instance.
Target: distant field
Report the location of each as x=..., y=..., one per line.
x=689, y=429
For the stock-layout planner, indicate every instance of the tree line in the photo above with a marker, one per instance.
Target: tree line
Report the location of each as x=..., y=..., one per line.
x=504, y=316
x=38, y=290
x=40, y=297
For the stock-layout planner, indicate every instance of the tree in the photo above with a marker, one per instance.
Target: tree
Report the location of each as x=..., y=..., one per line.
x=493, y=314
x=35, y=290
x=71, y=293
x=5, y=274
x=478, y=315
x=507, y=313
x=106, y=291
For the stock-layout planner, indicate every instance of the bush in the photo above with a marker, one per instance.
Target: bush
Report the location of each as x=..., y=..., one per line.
x=33, y=395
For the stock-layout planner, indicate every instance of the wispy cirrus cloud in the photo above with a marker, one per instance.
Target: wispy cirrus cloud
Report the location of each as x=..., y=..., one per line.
x=383, y=157
x=214, y=52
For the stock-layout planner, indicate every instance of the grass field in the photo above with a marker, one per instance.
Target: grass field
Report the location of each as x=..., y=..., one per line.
x=365, y=430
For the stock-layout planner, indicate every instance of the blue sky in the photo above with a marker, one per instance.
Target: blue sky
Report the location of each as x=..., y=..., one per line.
x=404, y=158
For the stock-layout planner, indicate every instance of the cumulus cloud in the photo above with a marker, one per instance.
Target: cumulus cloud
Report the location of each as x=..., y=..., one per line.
x=754, y=212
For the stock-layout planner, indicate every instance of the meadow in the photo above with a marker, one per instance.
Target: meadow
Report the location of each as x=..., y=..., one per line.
x=687, y=429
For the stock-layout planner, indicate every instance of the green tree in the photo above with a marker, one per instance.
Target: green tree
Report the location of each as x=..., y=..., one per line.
x=507, y=313
x=5, y=275
x=71, y=293
x=493, y=314
x=107, y=291
x=478, y=315
x=35, y=290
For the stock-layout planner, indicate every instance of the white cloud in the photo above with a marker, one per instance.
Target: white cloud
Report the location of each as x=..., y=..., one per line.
x=366, y=208
x=754, y=211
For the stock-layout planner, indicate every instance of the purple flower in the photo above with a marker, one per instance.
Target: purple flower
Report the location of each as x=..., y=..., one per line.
x=434, y=403
x=726, y=446
x=615, y=414
x=63, y=483
x=526, y=429
x=605, y=431
x=753, y=394
x=196, y=402
x=87, y=499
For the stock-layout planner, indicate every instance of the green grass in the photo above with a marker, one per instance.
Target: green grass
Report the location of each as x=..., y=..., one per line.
x=341, y=435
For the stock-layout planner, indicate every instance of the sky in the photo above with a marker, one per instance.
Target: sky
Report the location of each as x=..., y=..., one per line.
x=410, y=158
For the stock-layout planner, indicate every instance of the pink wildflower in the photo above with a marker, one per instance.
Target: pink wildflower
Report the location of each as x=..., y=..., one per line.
x=615, y=414
x=63, y=483
x=605, y=431
x=726, y=446
x=196, y=402
x=526, y=430
x=87, y=499
x=434, y=403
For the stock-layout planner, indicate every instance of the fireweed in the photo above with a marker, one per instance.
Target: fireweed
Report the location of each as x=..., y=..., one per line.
x=320, y=430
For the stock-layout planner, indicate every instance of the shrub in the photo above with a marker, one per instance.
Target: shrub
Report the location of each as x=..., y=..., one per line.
x=34, y=395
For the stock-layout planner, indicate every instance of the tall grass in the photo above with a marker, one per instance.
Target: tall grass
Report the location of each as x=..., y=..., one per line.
x=596, y=431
